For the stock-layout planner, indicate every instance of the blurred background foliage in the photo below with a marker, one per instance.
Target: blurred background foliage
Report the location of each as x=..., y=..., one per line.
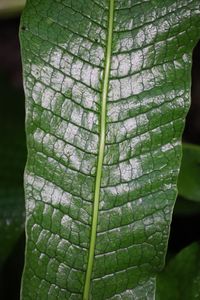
x=185, y=227
x=12, y=152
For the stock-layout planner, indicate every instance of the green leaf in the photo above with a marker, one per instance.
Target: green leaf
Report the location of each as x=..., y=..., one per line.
x=181, y=278
x=107, y=88
x=188, y=180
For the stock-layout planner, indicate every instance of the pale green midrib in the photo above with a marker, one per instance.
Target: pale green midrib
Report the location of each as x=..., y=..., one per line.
x=101, y=152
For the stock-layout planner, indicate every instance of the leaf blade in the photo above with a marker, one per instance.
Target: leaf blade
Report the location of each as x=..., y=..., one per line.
x=142, y=154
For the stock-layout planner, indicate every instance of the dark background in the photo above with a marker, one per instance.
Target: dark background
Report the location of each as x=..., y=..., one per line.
x=185, y=228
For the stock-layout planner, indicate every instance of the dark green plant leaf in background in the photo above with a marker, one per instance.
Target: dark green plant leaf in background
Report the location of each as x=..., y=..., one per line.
x=181, y=278
x=185, y=208
x=189, y=177
x=12, y=161
x=70, y=86
x=11, y=220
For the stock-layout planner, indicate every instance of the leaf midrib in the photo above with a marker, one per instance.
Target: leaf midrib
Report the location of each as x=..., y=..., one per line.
x=102, y=139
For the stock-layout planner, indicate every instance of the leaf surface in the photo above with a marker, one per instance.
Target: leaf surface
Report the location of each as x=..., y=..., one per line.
x=107, y=89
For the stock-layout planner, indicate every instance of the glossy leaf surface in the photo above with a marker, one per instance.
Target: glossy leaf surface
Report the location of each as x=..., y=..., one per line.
x=181, y=272
x=107, y=89
x=189, y=177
